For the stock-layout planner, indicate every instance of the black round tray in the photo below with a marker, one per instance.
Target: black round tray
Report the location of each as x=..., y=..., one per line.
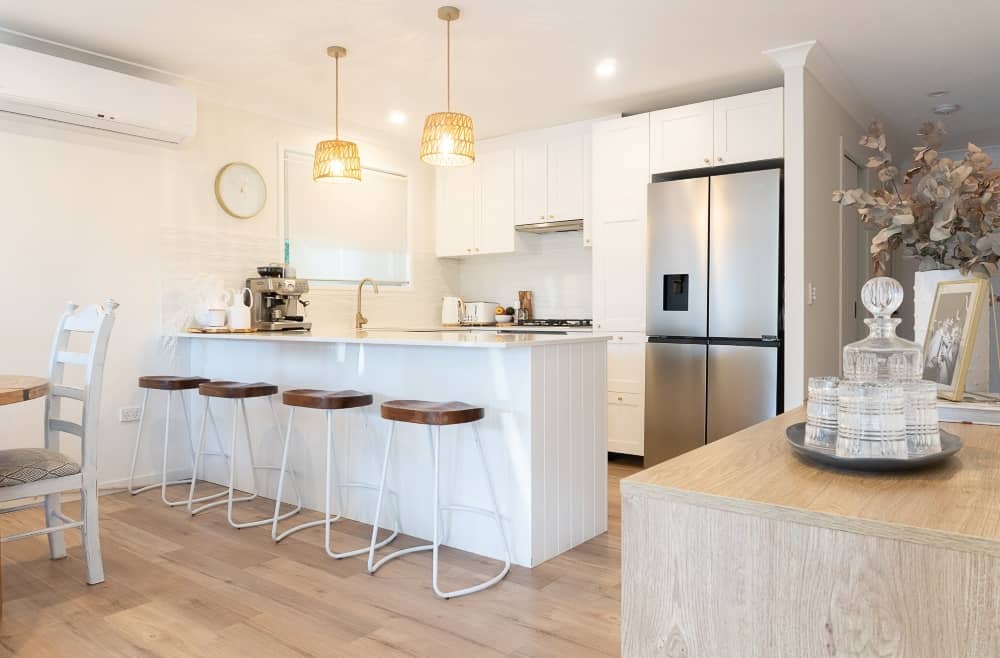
x=795, y=435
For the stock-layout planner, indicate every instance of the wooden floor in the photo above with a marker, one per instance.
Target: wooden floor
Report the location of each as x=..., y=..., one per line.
x=182, y=586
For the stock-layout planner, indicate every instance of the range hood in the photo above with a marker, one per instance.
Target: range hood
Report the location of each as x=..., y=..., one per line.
x=561, y=226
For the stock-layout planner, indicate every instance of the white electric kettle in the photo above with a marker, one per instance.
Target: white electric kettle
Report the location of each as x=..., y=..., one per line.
x=452, y=309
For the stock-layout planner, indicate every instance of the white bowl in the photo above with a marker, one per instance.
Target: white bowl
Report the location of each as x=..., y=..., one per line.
x=504, y=319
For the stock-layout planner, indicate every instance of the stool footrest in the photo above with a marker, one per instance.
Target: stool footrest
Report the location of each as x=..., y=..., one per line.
x=157, y=485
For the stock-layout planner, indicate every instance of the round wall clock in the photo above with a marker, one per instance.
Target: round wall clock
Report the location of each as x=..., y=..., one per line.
x=240, y=190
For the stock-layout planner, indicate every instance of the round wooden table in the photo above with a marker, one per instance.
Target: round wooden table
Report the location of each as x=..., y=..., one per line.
x=18, y=388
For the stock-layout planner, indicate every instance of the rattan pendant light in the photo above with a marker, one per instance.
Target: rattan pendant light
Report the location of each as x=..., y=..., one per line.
x=336, y=160
x=448, y=139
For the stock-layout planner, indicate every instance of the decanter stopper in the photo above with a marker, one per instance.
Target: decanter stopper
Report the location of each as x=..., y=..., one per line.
x=882, y=295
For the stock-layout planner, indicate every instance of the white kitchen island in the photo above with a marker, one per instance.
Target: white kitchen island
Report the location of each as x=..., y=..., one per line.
x=545, y=430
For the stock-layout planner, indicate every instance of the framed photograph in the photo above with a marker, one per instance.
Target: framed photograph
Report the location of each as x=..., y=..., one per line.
x=951, y=332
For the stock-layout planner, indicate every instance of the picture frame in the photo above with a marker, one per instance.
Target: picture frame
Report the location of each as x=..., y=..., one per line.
x=951, y=334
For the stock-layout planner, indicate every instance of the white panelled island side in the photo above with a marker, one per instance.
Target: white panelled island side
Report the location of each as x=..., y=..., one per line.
x=544, y=433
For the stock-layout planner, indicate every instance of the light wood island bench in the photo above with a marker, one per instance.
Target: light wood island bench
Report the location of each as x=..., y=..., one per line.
x=740, y=548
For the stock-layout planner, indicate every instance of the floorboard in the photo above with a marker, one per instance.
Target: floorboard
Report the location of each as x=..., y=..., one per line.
x=183, y=586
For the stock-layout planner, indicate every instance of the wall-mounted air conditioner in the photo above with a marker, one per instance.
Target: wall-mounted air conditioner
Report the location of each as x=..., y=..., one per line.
x=39, y=85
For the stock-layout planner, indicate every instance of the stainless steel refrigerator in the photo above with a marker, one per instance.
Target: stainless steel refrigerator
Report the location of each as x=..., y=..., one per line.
x=714, y=353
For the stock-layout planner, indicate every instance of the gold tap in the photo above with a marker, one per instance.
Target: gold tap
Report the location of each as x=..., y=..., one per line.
x=359, y=319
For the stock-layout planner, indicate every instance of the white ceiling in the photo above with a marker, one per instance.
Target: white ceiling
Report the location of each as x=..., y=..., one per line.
x=519, y=64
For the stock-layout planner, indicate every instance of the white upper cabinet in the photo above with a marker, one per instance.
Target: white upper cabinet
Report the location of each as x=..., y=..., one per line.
x=620, y=176
x=496, y=185
x=475, y=205
x=620, y=168
x=568, y=161
x=553, y=175
x=532, y=182
x=457, y=210
x=681, y=137
x=727, y=131
x=749, y=127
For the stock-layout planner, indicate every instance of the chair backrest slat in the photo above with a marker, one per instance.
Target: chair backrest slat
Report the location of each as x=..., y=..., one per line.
x=97, y=320
x=56, y=425
x=67, y=392
x=75, y=358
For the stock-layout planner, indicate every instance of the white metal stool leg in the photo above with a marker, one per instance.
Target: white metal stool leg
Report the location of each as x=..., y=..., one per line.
x=163, y=483
x=435, y=437
x=135, y=448
x=231, y=498
x=199, y=453
x=328, y=518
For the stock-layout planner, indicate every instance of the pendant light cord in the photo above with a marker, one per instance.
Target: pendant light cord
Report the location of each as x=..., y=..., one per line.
x=448, y=59
x=336, y=98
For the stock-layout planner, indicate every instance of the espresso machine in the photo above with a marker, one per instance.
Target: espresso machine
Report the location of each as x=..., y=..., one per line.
x=277, y=300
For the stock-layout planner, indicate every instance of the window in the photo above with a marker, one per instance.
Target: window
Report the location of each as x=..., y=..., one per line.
x=343, y=232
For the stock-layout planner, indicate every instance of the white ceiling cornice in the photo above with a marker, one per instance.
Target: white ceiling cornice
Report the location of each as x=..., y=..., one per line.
x=811, y=56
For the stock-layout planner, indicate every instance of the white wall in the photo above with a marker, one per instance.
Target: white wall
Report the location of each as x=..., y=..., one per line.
x=89, y=215
x=830, y=132
x=556, y=267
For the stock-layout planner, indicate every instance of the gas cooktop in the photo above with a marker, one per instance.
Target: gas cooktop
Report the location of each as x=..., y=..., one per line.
x=566, y=322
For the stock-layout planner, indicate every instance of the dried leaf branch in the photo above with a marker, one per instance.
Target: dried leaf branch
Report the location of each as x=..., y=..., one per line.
x=946, y=212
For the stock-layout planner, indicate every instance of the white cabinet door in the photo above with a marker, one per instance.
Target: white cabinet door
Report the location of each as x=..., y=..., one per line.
x=619, y=276
x=567, y=167
x=625, y=423
x=749, y=127
x=457, y=210
x=681, y=137
x=532, y=183
x=620, y=171
x=626, y=392
x=496, y=184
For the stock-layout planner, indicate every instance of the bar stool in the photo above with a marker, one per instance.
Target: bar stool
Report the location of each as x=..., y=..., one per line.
x=170, y=384
x=239, y=393
x=328, y=401
x=434, y=415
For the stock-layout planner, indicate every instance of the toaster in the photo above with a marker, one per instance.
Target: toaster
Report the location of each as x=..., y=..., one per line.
x=479, y=313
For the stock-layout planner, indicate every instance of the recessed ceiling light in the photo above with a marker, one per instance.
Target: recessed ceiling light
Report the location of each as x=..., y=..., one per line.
x=397, y=117
x=605, y=68
x=944, y=109
x=938, y=94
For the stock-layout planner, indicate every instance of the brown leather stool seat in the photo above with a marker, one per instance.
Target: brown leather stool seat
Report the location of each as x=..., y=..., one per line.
x=319, y=399
x=431, y=413
x=171, y=383
x=237, y=390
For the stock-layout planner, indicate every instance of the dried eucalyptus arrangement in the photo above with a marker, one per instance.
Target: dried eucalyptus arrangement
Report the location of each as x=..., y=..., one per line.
x=945, y=212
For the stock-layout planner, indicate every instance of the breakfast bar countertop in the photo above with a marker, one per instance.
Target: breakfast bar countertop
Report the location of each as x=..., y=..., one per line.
x=477, y=337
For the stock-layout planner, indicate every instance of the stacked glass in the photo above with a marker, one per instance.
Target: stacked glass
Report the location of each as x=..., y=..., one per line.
x=821, y=413
x=923, y=436
x=871, y=420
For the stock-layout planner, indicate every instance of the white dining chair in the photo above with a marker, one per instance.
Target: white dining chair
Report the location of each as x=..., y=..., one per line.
x=34, y=472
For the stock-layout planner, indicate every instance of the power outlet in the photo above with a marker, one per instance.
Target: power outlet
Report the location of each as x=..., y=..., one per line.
x=128, y=415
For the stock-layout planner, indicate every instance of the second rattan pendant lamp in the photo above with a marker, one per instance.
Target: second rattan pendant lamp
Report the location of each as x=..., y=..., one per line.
x=448, y=139
x=336, y=160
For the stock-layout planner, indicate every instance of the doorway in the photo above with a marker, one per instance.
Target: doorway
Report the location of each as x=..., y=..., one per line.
x=855, y=257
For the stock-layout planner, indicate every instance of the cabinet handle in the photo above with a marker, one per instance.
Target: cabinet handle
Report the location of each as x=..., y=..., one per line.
x=469, y=251
x=551, y=216
x=619, y=398
x=708, y=160
x=477, y=249
x=720, y=159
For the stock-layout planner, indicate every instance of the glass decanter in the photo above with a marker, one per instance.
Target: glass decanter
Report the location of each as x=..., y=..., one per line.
x=883, y=356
